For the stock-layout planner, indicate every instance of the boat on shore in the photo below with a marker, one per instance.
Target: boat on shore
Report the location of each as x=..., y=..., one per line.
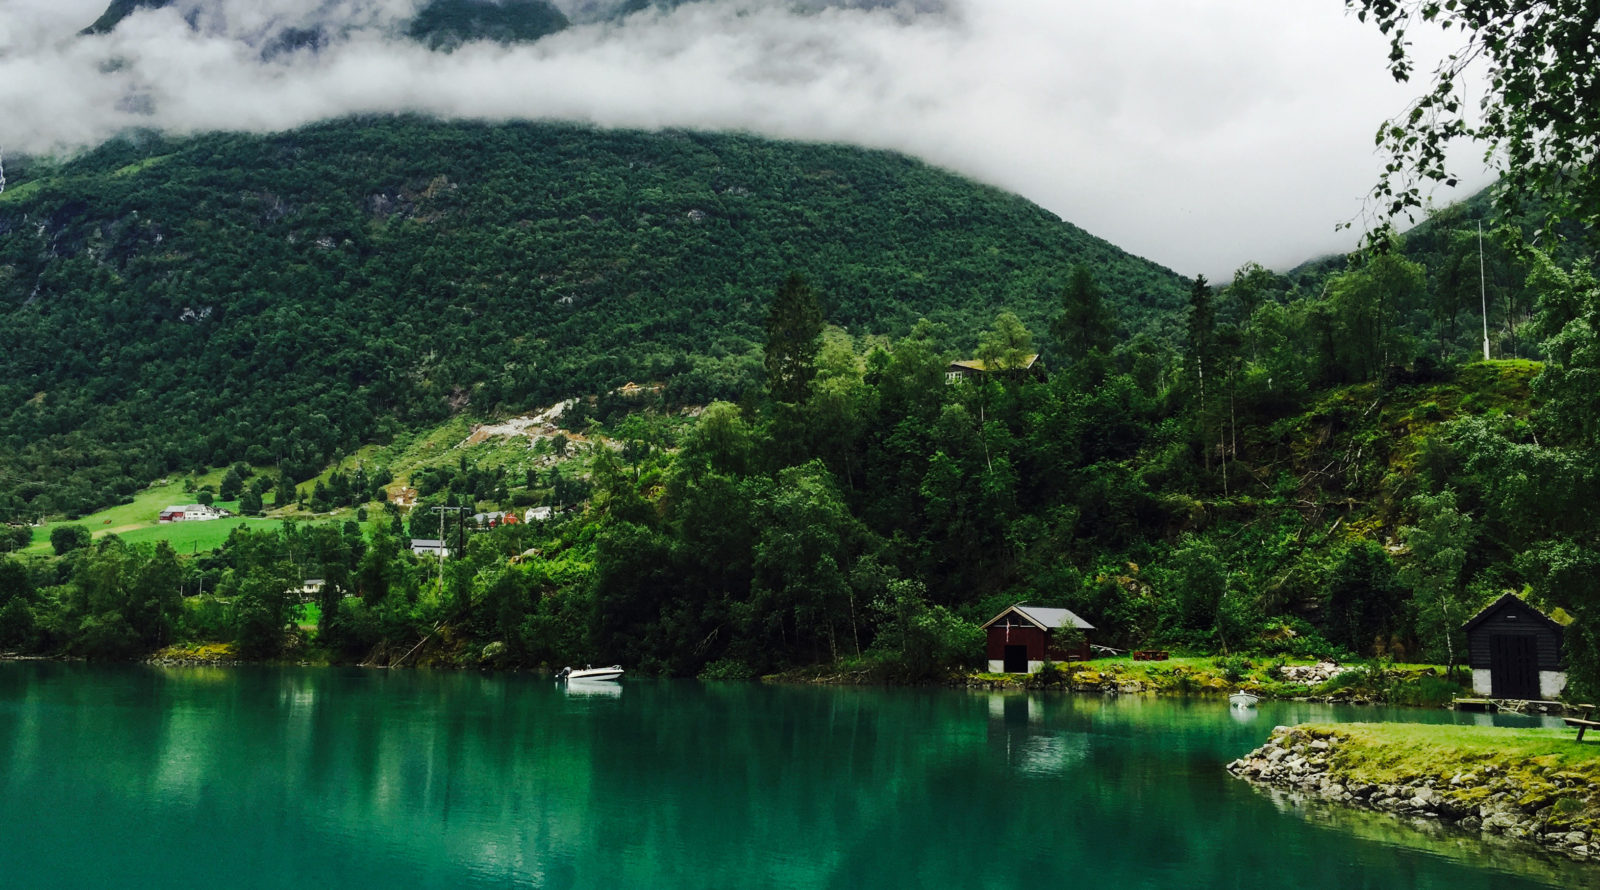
x=590, y=673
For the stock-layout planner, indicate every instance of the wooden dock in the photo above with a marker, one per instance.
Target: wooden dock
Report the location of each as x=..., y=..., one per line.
x=1513, y=706
x=1475, y=704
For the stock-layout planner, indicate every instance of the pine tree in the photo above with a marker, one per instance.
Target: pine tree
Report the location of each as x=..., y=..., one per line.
x=285, y=494
x=794, y=335
x=231, y=485
x=1084, y=326
x=1202, y=334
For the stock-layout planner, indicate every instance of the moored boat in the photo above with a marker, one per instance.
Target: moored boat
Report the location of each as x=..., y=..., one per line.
x=1243, y=700
x=590, y=673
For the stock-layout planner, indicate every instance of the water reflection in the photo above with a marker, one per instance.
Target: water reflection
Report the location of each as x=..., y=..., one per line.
x=593, y=688
x=346, y=777
x=1243, y=715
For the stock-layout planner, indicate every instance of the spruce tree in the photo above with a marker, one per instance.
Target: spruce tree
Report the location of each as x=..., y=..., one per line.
x=1084, y=326
x=794, y=335
x=232, y=482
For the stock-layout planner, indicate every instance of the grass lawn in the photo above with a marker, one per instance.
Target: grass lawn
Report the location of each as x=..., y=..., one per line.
x=188, y=537
x=1394, y=752
x=307, y=615
x=137, y=522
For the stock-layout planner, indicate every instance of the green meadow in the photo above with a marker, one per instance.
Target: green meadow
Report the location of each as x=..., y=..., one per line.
x=138, y=521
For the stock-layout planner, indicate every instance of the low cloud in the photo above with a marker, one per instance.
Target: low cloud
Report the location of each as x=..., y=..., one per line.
x=1199, y=134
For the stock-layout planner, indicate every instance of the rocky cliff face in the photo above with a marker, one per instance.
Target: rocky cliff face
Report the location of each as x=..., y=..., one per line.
x=1546, y=811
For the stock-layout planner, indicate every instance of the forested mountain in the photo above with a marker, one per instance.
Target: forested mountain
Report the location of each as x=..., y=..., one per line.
x=439, y=24
x=445, y=24
x=166, y=304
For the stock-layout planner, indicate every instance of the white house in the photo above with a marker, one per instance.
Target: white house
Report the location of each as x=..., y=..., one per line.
x=429, y=547
x=190, y=513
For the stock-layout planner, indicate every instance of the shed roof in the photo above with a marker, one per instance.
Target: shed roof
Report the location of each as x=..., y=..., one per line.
x=978, y=364
x=1509, y=599
x=1043, y=617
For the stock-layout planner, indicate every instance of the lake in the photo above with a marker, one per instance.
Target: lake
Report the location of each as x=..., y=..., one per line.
x=141, y=776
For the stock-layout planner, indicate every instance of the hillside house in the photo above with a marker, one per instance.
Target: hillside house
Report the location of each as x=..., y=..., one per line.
x=430, y=547
x=190, y=513
x=1023, y=637
x=1515, y=651
x=972, y=369
x=538, y=514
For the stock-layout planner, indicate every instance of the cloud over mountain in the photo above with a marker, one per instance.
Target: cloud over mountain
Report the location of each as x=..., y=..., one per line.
x=1199, y=134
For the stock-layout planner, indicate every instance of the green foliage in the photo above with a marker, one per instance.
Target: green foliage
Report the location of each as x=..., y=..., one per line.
x=794, y=334
x=1364, y=598
x=446, y=24
x=1234, y=668
x=14, y=537
x=354, y=279
x=918, y=641
x=1220, y=485
x=66, y=538
x=1538, y=119
x=1439, y=544
x=727, y=669
x=1084, y=326
x=232, y=485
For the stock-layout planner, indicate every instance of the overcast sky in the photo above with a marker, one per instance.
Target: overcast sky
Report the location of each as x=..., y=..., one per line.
x=1199, y=133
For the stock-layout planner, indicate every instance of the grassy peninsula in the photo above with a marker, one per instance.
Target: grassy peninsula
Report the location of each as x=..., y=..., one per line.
x=1534, y=784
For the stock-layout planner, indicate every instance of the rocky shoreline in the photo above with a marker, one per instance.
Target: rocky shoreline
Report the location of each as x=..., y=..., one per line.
x=1488, y=799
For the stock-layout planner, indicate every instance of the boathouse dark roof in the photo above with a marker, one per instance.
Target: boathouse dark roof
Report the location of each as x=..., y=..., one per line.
x=1512, y=600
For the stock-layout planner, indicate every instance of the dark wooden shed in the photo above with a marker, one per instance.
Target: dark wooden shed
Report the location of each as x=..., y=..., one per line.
x=1022, y=638
x=1515, y=651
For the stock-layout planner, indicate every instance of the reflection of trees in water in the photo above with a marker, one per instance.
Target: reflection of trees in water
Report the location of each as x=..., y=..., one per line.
x=443, y=779
x=1415, y=833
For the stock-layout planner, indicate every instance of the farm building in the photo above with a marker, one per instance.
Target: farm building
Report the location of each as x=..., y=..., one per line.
x=190, y=513
x=429, y=547
x=1515, y=651
x=969, y=369
x=1022, y=638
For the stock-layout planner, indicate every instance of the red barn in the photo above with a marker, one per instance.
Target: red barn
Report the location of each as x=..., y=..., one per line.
x=1023, y=638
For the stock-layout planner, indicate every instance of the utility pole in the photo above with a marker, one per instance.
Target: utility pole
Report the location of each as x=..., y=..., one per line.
x=1483, y=292
x=442, y=511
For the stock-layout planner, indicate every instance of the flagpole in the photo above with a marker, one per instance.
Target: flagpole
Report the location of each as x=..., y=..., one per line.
x=1483, y=293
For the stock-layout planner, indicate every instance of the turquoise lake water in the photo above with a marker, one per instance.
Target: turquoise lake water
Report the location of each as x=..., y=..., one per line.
x=137, y=776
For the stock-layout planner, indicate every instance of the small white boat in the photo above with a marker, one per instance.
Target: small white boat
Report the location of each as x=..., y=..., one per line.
x=1243, y=700
x=590, y=673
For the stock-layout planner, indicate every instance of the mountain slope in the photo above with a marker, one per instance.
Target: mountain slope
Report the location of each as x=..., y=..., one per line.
x=172, y=303
x=446, y=23
x=438, y=24
x=119, y=10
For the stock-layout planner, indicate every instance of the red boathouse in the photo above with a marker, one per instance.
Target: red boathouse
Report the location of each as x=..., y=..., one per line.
x=1022, y=638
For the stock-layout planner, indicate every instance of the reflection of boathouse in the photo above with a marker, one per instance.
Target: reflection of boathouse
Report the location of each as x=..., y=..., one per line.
x=1022, y=638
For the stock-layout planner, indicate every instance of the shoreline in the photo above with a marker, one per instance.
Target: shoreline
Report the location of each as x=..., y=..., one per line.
x=1103, y=678
x=1548, y=798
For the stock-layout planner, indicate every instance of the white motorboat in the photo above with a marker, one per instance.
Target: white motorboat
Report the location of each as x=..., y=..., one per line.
x=590, y=673
x=1243, y=700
